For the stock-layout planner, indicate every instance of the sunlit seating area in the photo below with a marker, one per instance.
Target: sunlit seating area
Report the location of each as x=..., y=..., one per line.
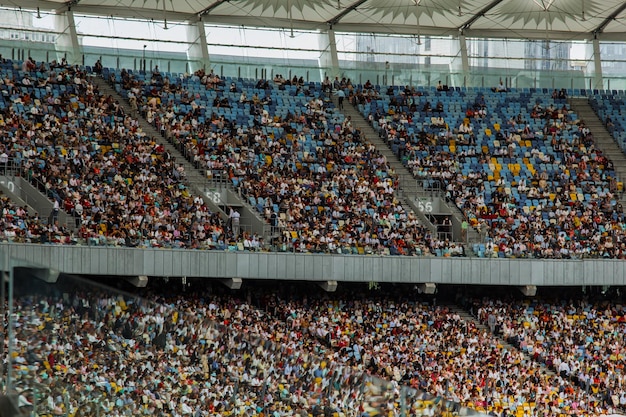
x=291, y=154
x=564, y=337
x=80, y=149
x=608, y=105
x=520, y=163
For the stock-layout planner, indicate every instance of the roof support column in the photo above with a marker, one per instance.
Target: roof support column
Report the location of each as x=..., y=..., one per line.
x=460, y=69
x=67, y=44
x=597, y=65
x=198, y=52
x=464, y=57
x=329, y=59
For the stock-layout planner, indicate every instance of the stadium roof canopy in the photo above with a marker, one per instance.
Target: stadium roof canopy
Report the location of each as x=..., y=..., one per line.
x=522, y=19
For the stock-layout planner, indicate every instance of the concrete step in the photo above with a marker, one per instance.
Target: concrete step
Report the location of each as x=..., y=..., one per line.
x=195, y=178
x=465, y=315
x=372, y=136
x=603, y=138
x=407, y=189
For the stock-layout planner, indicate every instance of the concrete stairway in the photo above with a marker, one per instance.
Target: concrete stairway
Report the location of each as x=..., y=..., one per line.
x=410, y=187
x=23, y=193
x=471, y=319
x=603, y=139
x=196, y=178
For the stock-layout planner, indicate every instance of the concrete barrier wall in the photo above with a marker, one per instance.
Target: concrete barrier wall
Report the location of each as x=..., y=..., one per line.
x=84, y=260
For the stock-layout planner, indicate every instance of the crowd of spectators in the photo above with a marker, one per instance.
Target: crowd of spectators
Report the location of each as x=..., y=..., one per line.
x=293, y=353
x=318, y=182
x=86, y=154
x=308, y=171
x=580, y=340
x=534, y=184
x=20, y=225
x=101, y=353
x=432, y=348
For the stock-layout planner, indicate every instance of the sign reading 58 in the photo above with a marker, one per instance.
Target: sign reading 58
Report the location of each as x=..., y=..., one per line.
x=214, y=196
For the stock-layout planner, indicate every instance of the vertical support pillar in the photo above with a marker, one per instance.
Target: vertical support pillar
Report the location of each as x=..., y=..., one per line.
x=329, y=59
x=67, y=44
x=10, y=330
x=4, y=327
x=198, y=52
x=464, y=56
x=597, y=64
x=459, y=66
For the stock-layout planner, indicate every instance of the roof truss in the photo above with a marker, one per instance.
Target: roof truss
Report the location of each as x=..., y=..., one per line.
x=345, y=12
x=210, y=8
x=609, y=19
x=478, y=15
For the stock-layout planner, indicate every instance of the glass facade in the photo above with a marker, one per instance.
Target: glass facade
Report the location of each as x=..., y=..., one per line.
x=248, y=51
x=381, y=58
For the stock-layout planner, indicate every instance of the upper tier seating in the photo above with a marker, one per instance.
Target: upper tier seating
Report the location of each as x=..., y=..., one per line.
x=608, y=107
x=521, y=165
x=81, y=149
x=291, y=154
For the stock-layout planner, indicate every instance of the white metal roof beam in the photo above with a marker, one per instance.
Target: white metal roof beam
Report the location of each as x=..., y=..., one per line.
x=345, y=12
x=609, y=19
x=478, y=15
x=211, y=7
